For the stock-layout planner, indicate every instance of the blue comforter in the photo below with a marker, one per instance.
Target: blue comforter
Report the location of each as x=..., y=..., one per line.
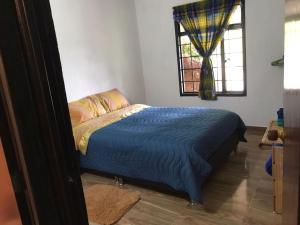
x=165, y=145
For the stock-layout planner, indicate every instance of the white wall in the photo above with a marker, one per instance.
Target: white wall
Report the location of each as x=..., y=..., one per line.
x=264, y=43
x=99, y=47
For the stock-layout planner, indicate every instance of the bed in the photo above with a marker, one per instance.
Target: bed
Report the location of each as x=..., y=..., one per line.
x=179, y=147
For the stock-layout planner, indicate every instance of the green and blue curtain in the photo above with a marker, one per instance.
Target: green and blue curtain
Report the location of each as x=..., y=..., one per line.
x=205, y=22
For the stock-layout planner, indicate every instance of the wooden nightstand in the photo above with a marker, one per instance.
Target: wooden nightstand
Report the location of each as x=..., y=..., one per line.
x=277, y=173
x=274, y=136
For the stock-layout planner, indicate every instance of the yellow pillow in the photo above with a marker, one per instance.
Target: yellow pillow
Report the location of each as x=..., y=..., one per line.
x=98, y=103
x=85, y=109
x=113, y=100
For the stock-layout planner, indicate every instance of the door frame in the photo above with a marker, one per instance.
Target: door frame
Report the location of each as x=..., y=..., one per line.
x=35, y=124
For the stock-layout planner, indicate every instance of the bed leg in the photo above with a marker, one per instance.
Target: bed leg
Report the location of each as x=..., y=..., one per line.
x=235, y=151
x=119, y=181
x=195, y=205
x=116, y=180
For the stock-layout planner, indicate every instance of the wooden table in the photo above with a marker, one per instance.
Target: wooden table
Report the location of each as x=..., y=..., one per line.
x=277, y=164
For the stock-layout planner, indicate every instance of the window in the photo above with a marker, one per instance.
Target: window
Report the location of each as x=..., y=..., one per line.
x=228, y=60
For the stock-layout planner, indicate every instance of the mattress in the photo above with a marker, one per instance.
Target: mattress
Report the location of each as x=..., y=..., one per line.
x=163, y=144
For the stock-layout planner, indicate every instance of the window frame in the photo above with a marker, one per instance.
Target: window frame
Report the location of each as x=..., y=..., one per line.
x=242, y=26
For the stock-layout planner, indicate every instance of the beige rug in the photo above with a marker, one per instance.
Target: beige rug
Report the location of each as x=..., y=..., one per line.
x=106, y=204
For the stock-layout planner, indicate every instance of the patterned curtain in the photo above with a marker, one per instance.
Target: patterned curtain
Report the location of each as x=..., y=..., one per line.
x=204, y=23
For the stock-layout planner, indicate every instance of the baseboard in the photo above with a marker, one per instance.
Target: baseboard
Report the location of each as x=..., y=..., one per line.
x=254, y=128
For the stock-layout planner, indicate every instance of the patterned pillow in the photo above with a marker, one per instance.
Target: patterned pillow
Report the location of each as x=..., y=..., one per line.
x=113, y=100
x=85, y=109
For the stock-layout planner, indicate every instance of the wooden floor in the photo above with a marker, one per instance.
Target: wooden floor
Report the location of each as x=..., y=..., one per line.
x=239, y=193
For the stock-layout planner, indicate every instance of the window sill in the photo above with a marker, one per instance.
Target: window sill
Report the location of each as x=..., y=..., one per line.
x=236, y=94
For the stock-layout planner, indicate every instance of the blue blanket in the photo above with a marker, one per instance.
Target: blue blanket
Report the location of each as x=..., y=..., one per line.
x=165, y=145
